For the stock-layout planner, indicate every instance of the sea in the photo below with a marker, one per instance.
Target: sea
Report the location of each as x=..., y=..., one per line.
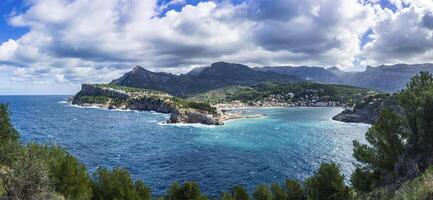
x=287, y=143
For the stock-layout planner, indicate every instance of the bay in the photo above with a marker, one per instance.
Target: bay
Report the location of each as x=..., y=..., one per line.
x=289, y=143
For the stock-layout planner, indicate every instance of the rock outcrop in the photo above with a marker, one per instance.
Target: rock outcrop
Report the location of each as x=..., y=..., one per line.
x=368, y=110
x=189, y=116
x=139, y=99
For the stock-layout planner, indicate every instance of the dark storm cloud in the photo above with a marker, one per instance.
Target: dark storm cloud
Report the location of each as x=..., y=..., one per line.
x=277, y=36
x=282, y=10
x=427, y=21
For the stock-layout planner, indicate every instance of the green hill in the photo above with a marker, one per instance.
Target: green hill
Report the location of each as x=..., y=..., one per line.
x=295, y=93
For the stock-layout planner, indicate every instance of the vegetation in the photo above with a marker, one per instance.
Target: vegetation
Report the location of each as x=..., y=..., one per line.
x=327, y=183
x=188, y=104
x=419, y=188
x=117, y=184
x=95, y=99
x=400, y=144
x=262, y=90
x=187, y=191
x=139, y=93
x=294, y=190
x=128, y=89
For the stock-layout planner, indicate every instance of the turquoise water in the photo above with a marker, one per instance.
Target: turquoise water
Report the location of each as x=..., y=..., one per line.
x=287, y=143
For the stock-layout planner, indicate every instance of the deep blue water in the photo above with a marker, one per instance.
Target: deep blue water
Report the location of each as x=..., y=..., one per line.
x=288, y=143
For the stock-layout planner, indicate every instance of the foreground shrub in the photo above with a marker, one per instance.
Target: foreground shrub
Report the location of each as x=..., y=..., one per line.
x=363, y=180
x=294, y=190
x=240, y=193
x=262, y=192
x=187, y=191
x=9, y=138
x=28, y=177
x=386, y=144
x=278, y=193
x=327, y=183
x=69, y=176
x=237, y=193
x=117, y=184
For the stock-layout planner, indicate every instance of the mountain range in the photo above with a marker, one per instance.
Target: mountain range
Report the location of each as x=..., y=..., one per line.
x=386, y=78
x=218, y=75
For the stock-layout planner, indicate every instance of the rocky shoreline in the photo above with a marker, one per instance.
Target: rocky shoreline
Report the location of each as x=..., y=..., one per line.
x=105, y=97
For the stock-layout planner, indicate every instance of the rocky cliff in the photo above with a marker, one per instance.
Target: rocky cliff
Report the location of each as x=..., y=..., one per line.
x=368, y=110
x=118, y=97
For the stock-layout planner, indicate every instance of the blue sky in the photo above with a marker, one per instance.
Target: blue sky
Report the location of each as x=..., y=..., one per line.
x=53, y=46
x=7, y=31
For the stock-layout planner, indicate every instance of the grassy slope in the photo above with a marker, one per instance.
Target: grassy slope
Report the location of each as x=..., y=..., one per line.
x=420, y=188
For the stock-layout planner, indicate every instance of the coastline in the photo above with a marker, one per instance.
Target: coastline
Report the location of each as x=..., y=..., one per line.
x=227, y=113
x=225, y=116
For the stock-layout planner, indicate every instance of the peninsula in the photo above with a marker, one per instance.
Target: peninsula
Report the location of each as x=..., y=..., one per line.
x=120, y=97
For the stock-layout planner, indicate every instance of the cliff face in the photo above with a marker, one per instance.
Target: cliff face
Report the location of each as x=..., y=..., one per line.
x=113, y=98
x=194, y=117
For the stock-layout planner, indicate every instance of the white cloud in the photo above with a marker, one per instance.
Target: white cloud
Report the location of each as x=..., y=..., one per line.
x=75, y=41
x=404, y=36
x=7, y=50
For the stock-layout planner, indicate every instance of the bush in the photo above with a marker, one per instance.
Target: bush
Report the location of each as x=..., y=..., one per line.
x=278, y=193
x=327, y=183
x=294, y=190
x=187, y=191
x=363, y=180
x=117, y=184
x=69, y=176
x=28, y=177
x=7, y=131
x=226, y=196
x=239, y=193
x=386, y=144
x=262, y=192
x=9, y=138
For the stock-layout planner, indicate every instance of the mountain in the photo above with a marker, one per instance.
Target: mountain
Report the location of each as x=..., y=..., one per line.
x=316, y=74
x=203, y=79
x=386, y=78
x=142, y=78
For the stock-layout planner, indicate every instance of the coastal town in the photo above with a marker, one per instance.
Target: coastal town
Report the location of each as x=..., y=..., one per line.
x=312, y=98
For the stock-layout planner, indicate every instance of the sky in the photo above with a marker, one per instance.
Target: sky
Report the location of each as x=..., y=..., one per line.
x=53, y=46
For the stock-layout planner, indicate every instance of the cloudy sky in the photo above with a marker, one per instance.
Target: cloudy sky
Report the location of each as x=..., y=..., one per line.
x=52, y=46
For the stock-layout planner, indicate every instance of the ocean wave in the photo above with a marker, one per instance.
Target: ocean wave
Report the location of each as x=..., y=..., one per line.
x=63, y=102
x=86, y=107
x=115, y=110
x=195, y=125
